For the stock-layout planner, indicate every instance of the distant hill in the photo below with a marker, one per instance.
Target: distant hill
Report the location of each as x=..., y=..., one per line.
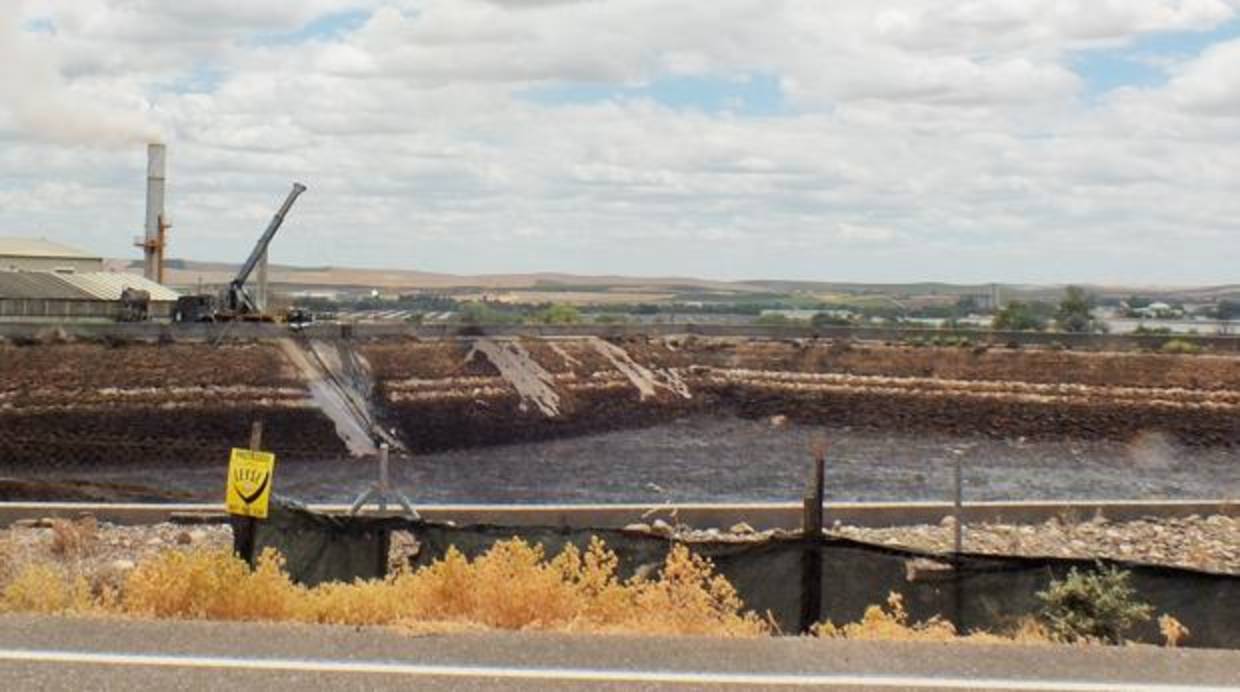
x=181, y=273
x=186, y=273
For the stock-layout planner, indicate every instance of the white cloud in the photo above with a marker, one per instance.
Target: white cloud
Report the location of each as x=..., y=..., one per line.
x=952, y=143
x=851, y=232
x=1211, y=84
x=37, y=99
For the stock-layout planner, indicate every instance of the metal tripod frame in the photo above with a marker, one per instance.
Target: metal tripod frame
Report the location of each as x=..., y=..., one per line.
x=382, y=490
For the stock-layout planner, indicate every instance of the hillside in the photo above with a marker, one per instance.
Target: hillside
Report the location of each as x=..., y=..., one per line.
x=578, y=288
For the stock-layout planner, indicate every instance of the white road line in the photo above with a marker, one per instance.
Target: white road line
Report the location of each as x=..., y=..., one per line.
x=583, y=675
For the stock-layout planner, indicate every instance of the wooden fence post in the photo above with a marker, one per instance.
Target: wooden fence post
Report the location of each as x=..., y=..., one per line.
x=244, y=528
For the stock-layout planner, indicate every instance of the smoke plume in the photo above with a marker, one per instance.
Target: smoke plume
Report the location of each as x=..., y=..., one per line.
x=37, y=100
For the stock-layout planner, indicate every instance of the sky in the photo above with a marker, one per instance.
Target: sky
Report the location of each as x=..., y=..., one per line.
x=1023, y=141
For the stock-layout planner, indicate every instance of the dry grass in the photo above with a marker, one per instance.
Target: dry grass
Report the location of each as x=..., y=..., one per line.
x=1173, y=631
x=44, y=589
x=74, y=539
x=8, y=559
x=513, y=586
x=888, y=624
x=892, y=624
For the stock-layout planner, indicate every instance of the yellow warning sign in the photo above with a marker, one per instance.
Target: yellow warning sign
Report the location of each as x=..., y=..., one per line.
x=250, y=475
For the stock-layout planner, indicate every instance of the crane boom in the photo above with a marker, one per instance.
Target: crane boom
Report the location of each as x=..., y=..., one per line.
x=238, y=299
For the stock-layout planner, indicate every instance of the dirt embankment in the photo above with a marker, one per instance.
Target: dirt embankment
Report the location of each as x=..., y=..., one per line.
x=441, y=395
x=1031, y=365
x=77, y=406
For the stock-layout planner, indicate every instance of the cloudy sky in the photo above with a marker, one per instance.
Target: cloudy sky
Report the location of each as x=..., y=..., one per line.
x=879, y=140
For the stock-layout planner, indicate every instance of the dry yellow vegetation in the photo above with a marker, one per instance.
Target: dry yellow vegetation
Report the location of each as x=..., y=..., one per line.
x=892, y=624
x=513, y=586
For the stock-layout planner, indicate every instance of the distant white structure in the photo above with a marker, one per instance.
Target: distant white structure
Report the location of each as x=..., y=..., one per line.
x=800, y=314
x=1158, y=311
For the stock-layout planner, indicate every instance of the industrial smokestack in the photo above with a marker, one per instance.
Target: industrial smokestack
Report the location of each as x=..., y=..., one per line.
x=156, y=223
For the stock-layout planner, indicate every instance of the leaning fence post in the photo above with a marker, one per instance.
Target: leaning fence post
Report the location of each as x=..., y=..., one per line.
x=244, y=528
x=811, y=531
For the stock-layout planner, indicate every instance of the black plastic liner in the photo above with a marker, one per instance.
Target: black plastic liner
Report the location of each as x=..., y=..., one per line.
x=974, y=592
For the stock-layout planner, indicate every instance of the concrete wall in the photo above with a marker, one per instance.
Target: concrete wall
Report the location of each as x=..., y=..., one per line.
x=43, y=311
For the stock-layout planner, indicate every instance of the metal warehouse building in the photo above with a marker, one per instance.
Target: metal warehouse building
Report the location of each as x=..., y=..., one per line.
x=56, y=296
x=37, y=255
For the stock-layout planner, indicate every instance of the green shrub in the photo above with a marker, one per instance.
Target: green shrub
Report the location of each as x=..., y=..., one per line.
x=1094, y=606
x=1143, y=330
x=1018, y=317
x=478, y=313
x=1076, y=313
x=775, y=319
x=558, y=313
x=824, y=319
x=1180, y=346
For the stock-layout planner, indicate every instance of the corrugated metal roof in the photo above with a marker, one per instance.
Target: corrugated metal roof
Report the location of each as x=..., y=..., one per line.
x=108, y=285
x=39, y=286
x=37, y=247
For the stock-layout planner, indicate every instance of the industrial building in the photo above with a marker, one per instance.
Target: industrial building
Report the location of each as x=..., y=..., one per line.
x=42, y=280
x=38, y=255
x=92, y=296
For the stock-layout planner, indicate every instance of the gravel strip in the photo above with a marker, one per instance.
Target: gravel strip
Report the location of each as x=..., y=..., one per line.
x=100, y=551
x=1208, y=543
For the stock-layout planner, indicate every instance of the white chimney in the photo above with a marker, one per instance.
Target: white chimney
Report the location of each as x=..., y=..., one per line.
x=153, y=245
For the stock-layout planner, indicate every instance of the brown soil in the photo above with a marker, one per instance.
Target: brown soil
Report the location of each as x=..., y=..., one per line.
x=82, y=406
x=439, y=401
x=71, y=367
x=1112, y=369
x=86, y=406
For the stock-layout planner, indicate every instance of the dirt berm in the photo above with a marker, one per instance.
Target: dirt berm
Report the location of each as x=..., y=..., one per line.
x=78, y=405
x=446, y=394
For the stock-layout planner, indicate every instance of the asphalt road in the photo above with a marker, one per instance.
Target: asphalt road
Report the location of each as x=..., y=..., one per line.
x=98, y=654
